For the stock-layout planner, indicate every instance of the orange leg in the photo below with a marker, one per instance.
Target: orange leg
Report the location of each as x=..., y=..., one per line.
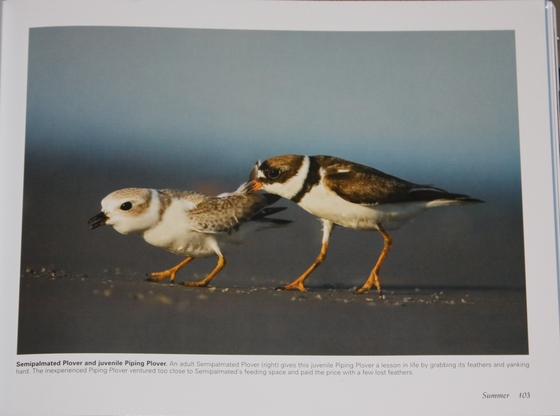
x=213, y=273
x=157, y=276
x=298, y=283
x=373, y=278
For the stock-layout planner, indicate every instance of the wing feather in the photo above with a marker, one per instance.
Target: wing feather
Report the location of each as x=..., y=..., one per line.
x=234, y=210
x=364, y=185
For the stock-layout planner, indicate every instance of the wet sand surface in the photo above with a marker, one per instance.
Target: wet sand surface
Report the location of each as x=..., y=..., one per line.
x=454, y=280
x=63, y=313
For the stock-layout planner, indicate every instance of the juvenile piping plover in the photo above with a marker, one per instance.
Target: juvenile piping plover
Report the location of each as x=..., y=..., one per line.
x=187, y=223
x=345, y=193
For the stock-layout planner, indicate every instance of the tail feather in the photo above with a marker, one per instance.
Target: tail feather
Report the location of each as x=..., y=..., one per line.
x=246, y=188
x=263, y=216
x=271, y=198
x=430, y=194
x=254, y=172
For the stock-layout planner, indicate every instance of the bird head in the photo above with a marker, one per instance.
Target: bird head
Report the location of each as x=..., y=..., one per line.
x=129, y=211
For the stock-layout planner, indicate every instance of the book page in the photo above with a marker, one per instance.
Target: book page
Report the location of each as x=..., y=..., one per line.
x=453, y=98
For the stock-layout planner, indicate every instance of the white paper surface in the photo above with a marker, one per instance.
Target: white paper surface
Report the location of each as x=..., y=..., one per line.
x=450, y=384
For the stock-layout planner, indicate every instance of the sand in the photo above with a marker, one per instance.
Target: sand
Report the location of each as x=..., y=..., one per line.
x=454, y=280
x=119, y=313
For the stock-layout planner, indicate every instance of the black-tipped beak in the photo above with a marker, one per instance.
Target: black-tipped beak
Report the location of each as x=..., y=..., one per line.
x=97, y=221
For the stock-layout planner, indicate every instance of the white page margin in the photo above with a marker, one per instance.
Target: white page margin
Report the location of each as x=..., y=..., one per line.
x=322, y=395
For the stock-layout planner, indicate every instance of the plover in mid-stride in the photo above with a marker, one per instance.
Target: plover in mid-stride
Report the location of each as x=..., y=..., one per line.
x=345, y=193
x=187, y=223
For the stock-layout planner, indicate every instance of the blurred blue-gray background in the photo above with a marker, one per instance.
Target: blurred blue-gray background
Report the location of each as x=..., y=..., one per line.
x=112, y=107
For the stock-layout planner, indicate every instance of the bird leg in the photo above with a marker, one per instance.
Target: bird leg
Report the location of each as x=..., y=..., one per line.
x=213, y=273
x=298, y=283
x=157, y=276
x=373, y=278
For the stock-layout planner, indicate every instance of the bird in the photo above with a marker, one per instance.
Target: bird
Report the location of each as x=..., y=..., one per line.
x=188, y=223
x=349, y=194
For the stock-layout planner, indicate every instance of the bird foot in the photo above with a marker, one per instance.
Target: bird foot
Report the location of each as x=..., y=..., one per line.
x=157, y=276
x=361, y=290
x=295, y=286
x=202, y=283
x=366, y=288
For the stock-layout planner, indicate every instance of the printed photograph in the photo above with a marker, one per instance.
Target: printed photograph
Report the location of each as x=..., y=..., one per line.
x=200, y=191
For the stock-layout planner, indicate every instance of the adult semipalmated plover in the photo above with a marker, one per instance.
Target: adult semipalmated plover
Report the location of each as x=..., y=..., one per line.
x=345, y=193
x=187, y=223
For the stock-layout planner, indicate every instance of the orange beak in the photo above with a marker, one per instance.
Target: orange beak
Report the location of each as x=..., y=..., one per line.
x=256, y=185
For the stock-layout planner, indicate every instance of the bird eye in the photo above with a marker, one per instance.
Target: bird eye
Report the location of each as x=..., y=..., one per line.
x=273, y=173
x=126, y=206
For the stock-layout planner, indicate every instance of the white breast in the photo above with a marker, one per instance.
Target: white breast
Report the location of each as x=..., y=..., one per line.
x=324, y=203
x=174, y=234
